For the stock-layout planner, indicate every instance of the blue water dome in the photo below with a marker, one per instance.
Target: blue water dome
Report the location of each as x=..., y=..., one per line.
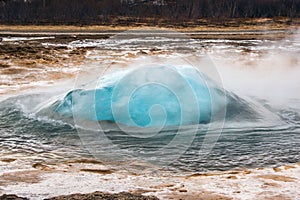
x=149, y=96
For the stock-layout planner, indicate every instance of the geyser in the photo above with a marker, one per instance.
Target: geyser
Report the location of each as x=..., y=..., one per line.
x=150, y=96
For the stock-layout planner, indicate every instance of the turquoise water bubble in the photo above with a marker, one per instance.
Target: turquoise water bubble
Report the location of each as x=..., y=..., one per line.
x=149, y=96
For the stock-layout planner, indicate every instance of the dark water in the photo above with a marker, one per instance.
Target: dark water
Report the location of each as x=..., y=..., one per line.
x=242, y=144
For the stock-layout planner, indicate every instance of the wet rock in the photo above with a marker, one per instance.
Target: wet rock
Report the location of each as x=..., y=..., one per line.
x=289, y=167
x=104, y=196
x=27, y=176
x=98, y=171
x=182, y=190
x=41, y=166
x=4, y=65
x=277, y=169
x=8, y=160
x=232, y=177
x=141, y=52
x=11, y=197
x=10, y=71
x=277, y=178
